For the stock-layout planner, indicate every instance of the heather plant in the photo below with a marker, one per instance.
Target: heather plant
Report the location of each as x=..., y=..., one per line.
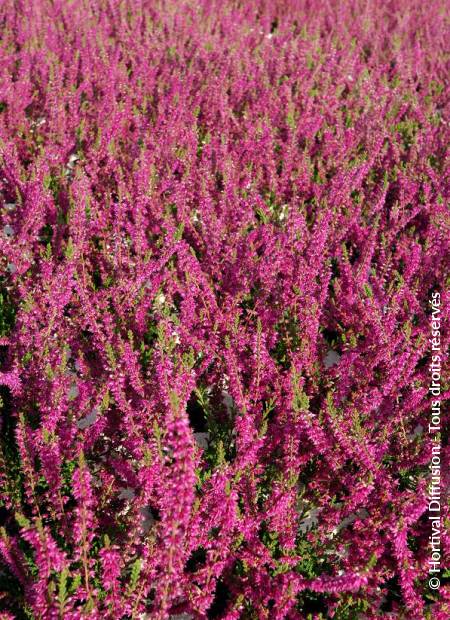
x=220, y=227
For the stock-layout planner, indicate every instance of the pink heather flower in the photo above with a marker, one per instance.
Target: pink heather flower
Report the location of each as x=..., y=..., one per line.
x=222, y=225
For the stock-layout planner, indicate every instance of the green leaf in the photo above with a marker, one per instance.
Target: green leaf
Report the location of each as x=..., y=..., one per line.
x=62, y=587
x=76, y=582
x=135, y=572
x=69, y=251
x=22, y=520
x=368, y=290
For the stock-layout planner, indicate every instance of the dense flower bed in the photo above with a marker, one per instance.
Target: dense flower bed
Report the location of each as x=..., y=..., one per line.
x=221, y=224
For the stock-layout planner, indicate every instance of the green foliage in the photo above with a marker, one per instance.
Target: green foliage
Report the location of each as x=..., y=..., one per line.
x=7, y=312
x=134, y=574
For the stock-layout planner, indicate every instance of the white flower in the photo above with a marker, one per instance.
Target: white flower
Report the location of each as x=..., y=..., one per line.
x=160, y=299
x=8, y=230
x=283, y=212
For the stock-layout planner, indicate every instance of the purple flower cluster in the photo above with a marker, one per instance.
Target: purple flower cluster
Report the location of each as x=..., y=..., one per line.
x=221, y=223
